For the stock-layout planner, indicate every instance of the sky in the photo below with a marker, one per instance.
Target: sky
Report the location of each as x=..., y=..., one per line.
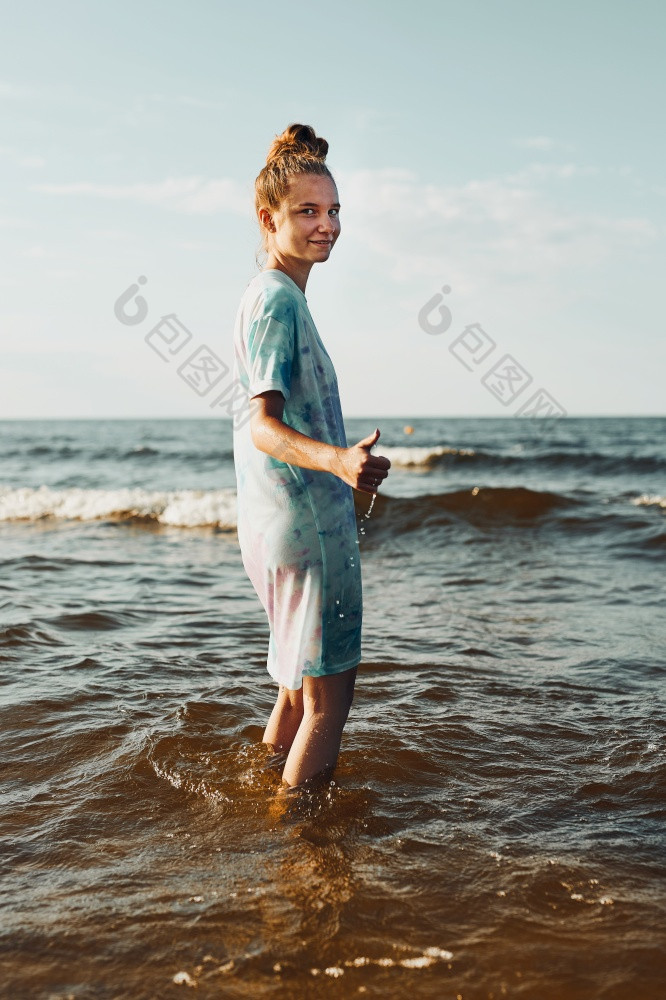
x=500, y=167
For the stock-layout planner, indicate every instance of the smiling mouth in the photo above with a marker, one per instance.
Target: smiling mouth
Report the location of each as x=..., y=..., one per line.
x=322, y=243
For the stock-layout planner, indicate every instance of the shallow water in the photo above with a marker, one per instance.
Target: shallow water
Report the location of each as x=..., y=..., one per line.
x=495, y=826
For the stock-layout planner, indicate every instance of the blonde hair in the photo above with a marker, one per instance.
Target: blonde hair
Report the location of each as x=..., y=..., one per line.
x=297, y=151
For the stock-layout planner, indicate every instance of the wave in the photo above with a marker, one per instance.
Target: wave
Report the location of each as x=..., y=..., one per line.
x=58, y=453
x=217, y=508
x=477, y=505
x=596, y=463
x=178, y=508
x=414, y=458
x=645, y=500
x=424, y=457
x=599, y=463
x=421, y=456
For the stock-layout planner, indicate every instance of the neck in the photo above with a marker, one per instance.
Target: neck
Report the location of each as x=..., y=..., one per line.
x=297, y=270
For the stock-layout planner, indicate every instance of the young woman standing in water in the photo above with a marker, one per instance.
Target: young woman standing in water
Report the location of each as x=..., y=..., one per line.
x=296, y=520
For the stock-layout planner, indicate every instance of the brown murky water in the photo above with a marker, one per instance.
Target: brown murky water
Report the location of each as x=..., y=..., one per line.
x=495, y=827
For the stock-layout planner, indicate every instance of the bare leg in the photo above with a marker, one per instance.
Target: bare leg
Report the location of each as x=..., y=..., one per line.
x=285, y=719
x=326, y=704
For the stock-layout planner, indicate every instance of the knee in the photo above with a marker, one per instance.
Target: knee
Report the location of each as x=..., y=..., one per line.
x=346, y=700
x=347, y=695
x=327, y=723
x=289, y=699
x=323, y=705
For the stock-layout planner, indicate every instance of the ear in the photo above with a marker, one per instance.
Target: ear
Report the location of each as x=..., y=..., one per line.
x=266, y=220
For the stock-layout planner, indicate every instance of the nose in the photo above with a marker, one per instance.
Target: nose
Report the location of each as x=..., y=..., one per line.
x=328, y=226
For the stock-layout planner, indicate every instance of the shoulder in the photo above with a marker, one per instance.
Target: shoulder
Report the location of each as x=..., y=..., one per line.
x=266, y=295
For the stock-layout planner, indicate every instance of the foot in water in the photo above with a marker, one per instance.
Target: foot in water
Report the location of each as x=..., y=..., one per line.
x=277, y=759
x=312, y=784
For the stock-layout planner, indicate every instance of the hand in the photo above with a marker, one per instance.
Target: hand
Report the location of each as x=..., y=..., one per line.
x=360, y=469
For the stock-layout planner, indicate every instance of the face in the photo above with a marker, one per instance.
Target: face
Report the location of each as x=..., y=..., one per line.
x=307, y=223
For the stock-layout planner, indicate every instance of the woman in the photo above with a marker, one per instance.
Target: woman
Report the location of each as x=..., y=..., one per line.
x=294, y=472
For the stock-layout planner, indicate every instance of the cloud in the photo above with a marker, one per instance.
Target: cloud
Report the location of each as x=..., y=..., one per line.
x=15, y=92
x=523, y=230
x=560, y=171
x=185, y=194
x=183, y=100
x=496, y=241
x=197, y=246
x=59, y=93
x=9, y=222
x=409, y=220
x=34, y=251
x=22, y=159
x=31, y=161
x=113, y=235
x=542, y=142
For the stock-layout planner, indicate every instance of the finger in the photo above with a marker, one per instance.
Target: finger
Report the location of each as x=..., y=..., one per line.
x=373, y=471
x=372, y=483
x=372, y=477
x=377, y=462
x=369, y=440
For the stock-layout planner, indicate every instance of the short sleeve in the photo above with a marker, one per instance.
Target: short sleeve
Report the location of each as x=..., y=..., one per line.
x=270, y=344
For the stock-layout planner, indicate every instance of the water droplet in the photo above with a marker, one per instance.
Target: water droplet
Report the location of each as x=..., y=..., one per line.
x=372, y=504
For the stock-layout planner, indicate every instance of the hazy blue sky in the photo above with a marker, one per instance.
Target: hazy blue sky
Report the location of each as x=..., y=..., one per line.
x=513, y=151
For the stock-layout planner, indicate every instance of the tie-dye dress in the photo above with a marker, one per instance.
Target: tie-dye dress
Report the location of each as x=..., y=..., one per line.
x=296, y=527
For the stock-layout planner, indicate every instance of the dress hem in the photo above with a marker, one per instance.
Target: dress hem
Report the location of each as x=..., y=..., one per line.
x=354, y=662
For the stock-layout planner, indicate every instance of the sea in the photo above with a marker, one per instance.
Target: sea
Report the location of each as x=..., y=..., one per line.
x=495, y=826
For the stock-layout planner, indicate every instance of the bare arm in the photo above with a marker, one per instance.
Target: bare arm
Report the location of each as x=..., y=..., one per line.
x=355, y=465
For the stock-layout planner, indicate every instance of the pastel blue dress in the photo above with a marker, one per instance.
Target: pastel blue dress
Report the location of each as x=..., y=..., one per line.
x=296, y=527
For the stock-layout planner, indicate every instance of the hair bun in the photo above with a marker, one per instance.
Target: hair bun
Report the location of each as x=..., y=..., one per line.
x=298, y=141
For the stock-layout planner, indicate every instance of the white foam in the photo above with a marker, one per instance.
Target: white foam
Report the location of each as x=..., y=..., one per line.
x=180, y=508
x=184, y=979
x=435, y=952
x=646, y=500
x=428, y=957
x=422, y=962
x=419, y=456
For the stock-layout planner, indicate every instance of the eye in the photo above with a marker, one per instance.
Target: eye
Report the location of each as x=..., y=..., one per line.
x=336, y=211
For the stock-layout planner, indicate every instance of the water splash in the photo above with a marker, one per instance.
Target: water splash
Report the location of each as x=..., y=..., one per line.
x=367, y=514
